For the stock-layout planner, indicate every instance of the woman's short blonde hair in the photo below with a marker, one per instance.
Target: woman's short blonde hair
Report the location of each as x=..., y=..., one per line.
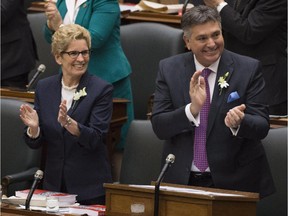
x=66, y=34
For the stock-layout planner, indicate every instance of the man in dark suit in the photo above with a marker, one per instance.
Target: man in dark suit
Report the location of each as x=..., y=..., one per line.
x=18, y=49
x=237, y=121
x=258, y=28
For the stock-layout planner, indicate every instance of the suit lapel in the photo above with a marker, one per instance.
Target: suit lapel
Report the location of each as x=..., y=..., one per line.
x=82, y=84
x=55, y=96
x=82, y=11
x=62, y=7
x=61, y=4
x=189, y=70
x=225, y=65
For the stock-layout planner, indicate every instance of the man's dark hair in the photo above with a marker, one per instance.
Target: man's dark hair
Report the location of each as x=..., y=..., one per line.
x=198, y=15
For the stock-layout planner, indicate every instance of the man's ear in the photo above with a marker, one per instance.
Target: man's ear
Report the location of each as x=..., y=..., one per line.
x=186, y=40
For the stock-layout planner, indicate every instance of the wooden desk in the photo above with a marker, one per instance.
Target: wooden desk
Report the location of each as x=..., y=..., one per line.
x=36, y=7
x=278, y=122
x=133, y=17
x=218, y=202
x=119, y=115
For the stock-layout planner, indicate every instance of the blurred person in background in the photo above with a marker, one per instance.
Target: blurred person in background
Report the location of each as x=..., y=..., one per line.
x=18, y=48
x=258, y=28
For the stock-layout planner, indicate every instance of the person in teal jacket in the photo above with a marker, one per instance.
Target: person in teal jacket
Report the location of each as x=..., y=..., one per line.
x=108, y=61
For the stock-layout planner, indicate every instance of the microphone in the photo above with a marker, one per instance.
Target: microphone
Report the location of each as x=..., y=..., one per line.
x=169, y=161
x=39, y=71
x=37, y=178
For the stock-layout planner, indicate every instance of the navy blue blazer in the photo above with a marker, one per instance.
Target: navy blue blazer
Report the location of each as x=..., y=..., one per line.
x=236, y=162
x=82, y=162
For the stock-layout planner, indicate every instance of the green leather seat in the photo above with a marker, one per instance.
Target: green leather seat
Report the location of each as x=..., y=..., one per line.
x=141, y=163
x=145, y=44
x=275, y=145
x=18, y=162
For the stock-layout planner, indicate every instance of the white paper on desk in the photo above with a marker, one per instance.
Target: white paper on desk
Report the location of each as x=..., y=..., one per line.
x=40, y=208
x=278, y=116
x=63, y=209
x=39, y=201
x=187, y=190
x=161, y=8
x=195, y=191
x=126, y=7
x=21, y=201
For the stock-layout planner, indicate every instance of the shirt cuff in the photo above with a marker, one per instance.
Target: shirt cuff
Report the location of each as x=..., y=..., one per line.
x=235, y=130
x=30, y=135
x=190, y=117
x=220, y=6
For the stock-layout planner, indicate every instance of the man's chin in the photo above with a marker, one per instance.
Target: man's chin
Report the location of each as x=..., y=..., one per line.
x=211, y=58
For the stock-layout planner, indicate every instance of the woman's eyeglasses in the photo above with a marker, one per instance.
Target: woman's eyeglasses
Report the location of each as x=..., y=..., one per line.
x=75, y=54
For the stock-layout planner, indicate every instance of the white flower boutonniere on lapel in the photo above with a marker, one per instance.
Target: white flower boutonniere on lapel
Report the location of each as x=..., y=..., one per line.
x=79, y=94
x=222, y=82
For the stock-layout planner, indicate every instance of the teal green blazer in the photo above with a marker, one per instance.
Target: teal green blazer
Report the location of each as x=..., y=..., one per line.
x=102, y=19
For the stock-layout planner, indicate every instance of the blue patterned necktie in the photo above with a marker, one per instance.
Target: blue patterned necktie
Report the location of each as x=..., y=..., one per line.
x=200, y=156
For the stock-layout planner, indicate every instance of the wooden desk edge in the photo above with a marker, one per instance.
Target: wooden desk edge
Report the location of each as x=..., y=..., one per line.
x=279, y=121
x=153, y=17
x=240, y=195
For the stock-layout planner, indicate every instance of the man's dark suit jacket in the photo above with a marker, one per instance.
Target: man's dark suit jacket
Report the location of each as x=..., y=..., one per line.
x=259, y=30
x=18, y=49
x=236, y=162
x=81, y=161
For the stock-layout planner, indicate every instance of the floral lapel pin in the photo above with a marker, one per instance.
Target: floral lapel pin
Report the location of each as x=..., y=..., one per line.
x=78, y=95
x=222, y=82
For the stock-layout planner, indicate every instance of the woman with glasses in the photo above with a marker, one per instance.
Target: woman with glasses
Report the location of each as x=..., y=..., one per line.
x=70, y=118
x=107, y=60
